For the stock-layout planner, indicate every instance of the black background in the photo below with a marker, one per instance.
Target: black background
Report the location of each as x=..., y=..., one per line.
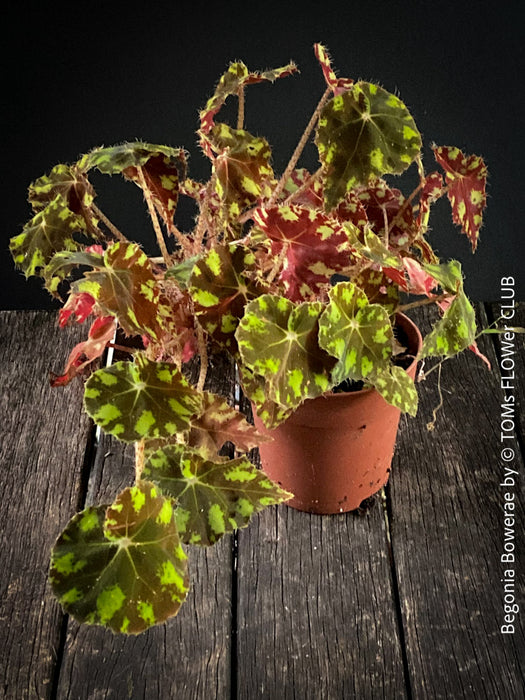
x=80, y=75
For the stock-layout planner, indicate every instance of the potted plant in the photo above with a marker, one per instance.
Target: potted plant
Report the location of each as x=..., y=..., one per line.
x=301, y=279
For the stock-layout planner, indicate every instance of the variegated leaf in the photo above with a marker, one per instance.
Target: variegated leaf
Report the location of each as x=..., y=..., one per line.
x=315, y=246
x=386, y=205
x=302, y=189
x=254, y=386
x=64, y=180
x=378, y=288
x=357, y=333
x=431, y=191
x=230, y=83
x=364, y=132
x=372, y=248
x=212, y=497
x=220, y=288
x=122, y=566
x=338, y=85
x=242, y=168
x=466, y=178
x=51, y=230
x=141, y=399
x=397, y=388
x=219, y=423
x=448, y=274
x=124, y=286
x=455, y=332
x=162, y=167
x=278, y=341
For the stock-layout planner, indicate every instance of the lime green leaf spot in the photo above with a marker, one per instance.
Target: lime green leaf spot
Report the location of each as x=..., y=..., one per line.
x=145, y=610
x=216, y=519
x=89, y=520
x=109, y=602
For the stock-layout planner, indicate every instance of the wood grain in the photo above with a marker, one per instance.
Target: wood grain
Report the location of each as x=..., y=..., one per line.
x=44, y=439
x=188, y=657
x=447, y=539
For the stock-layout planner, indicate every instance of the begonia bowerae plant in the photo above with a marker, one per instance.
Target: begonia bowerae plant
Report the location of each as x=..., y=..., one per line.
x=298, y=277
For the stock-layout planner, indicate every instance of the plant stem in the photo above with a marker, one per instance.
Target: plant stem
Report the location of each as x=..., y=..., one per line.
x=278, y=263
x=423, y=302
x=154, y=217
x=240, y=114
x=139, y=459
x=203, y=352
x=299, y=149
x=306, y=184
x=114, y=230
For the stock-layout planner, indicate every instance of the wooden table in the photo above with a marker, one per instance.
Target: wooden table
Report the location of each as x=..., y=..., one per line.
x=405, y=600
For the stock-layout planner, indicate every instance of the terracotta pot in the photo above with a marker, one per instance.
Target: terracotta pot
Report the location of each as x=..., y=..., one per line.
x=336, y=450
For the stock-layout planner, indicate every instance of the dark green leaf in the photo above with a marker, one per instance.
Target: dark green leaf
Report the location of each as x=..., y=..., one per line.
x=364, y=132
x=48, y=232
x=141, y=399
x=357, y=333
x=278, y=341
x=455, y=332
x=122, y=566
x=212, y=497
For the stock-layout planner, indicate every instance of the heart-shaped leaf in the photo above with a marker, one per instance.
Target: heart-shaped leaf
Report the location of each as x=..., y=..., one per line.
x=364, y=132
x=219, y=423
x=315, y=247
x=122, y=566
x=455, y=332
x=212, y=497
x=51, y=230
x=278, y=341
x=242, y=168
x=142, y=399
x=357, y=333
x=124, y=286
x=221, y=287
x=466, y=178
x=64, y=180
x=397, y=388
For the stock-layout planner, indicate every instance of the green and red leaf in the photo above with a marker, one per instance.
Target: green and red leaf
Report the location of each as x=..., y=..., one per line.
x=124, y=286
x=219, y=423
x=213, y=498
x=230, y=83
x=67, y=181
x=141, y=400
x=122, y=566
x=242, y=168
x=338, y=85
x=455, y=332
x=466, y=178
x=315, y=247
x=220, y=287
x=163, y=168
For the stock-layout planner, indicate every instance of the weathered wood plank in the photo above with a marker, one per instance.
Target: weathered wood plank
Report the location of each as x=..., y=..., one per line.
x=190, y=656
x=448, y=537
x=42, y=448
x=316, y=613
